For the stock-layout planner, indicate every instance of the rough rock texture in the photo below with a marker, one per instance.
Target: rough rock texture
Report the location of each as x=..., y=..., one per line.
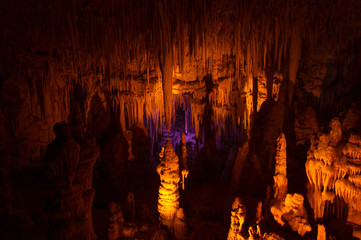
x=169, y=53
x=280, y=177
x=334, y=170
x=180, y=226
x=184, y=162
x=238, y=215
x=117, y=227
x=168, y=170
x=129, y=135
x=321, y=232
x=130, y=207
x=69, y=170
x=115, y=163
x=116, y=221
x=291, y=210
x=305, y=121
x=238, y=166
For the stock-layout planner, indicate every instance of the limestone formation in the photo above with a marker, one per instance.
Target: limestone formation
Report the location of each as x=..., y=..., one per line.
x=238, y=215
x=129, y=135
x=321, y=232
x=333, y=168
x=116, y=221
x=238, y=166
x=180, y=226
x=70, y=169
x=184, y=167
x=117, y=227
x=130, y=207
x=115, y=163
x=168, y=198
x=271, y=236
x=254, y=233
x=280, y=177
x=291, y=210
x=305, y=123
x=335, y=131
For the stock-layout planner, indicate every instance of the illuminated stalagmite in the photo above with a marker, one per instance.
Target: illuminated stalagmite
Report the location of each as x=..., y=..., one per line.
x=287, y=207
x=184, y=157
x=321, y=232
x=280, y=177
x=291, y=210
x=238, y=215
x=168, y=198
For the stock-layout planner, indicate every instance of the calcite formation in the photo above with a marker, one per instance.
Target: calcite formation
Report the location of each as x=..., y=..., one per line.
x=168, y=198
x=69, y=169
x=291, y=210
x=129, y=135
x=115, y=162
x=334, y=170
x=238, y=215
x=321, y=232
x=280, y=177
x=130, y=207
x=184, y=157
x=116, y=221
x=180, y=226
x=117, y=227
x=287, y=207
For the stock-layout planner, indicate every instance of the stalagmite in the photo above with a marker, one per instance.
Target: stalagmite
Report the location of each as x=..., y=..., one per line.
x=168, y=170
x=69, y=171
x=116, y=221
x=130, y=207
x=321, y=232
x=238, y=215
x=280, y=177
x=180, y=227
x=184, y=167
x=291, y=210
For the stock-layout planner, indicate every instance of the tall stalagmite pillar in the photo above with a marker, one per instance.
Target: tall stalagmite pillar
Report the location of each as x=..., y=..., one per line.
x=168, y=170
x=238, y=215
x=280, y=177
x=184, y=156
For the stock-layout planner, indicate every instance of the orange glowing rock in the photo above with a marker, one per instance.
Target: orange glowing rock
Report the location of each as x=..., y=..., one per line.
x=291, y=210
x=333, y=169
x=280, y=177
x=238, y=215
x=321, y=232
x=168, y=170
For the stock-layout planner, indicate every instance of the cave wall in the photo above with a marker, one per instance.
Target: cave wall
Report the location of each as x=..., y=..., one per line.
x=120, y=60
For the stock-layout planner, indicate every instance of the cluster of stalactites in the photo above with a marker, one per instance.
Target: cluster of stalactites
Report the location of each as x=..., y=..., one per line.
x=98, y=40
x=333, y=169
